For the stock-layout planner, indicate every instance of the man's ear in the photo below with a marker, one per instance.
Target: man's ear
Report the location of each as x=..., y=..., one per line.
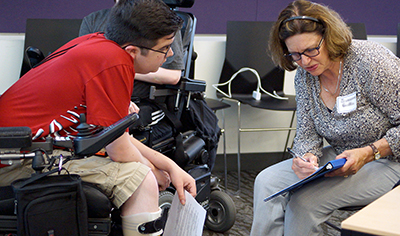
x=132, y=50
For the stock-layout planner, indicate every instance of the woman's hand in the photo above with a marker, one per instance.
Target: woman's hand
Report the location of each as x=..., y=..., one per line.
x=303, y=169
x=356, y=159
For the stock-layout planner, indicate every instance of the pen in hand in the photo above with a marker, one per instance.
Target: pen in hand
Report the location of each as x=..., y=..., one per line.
x=295, y=155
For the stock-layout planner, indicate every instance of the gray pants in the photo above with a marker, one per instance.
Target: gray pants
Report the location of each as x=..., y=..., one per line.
x=302, y=212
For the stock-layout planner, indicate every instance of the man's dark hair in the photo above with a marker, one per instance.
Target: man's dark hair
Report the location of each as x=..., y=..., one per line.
x=141, y=22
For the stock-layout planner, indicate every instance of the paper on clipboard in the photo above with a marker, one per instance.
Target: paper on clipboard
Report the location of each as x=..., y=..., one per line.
x=328, y=167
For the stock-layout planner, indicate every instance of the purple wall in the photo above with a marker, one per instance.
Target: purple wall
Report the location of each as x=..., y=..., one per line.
x=380, y=17
x=13, y=13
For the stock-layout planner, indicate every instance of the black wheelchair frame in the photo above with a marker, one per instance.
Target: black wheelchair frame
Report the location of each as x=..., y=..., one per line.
x=221, y=210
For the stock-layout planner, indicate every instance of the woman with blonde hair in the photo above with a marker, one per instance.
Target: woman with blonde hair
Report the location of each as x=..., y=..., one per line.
x=347, y=94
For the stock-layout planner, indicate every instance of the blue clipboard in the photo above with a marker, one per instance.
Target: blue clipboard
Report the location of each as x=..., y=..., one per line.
x=328, y=167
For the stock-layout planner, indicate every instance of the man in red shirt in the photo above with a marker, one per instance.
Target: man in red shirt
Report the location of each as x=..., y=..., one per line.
x=93, y=74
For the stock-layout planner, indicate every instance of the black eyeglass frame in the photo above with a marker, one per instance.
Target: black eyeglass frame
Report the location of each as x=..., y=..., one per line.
x=151, y=49
x=290, y=55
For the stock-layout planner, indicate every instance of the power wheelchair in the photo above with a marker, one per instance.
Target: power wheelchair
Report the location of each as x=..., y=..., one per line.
x=103, y=219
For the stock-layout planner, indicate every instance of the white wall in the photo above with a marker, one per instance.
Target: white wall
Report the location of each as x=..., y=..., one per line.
x=11, y=52
x=211, y=54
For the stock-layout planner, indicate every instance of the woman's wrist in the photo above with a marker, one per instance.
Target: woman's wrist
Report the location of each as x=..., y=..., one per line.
x=369, y=154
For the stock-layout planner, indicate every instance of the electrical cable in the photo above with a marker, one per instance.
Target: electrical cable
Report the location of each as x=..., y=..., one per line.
x=257, y=91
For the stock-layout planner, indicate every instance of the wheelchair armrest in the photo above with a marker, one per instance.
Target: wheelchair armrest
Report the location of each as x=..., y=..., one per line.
x=190, y=85
x=16, y=143
x=20, y=139
x=15, y=137
x=157, y=92
x=13, y=140
x=91, y=144
x=185, y=84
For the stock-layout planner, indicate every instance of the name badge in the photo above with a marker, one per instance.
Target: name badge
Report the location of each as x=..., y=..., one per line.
x=346, y=104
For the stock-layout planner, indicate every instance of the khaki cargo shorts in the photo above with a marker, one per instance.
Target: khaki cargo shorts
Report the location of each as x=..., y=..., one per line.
x=117, y=180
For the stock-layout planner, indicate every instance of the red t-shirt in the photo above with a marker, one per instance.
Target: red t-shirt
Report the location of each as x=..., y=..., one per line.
x=93, y=76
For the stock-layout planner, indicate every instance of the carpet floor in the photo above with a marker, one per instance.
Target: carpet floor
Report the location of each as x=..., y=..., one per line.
x=244, y=206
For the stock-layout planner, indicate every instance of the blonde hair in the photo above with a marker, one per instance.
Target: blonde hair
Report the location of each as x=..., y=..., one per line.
x=337, y=35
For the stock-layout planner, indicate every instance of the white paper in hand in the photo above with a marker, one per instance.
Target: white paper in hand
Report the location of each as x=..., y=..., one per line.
x=185, y=220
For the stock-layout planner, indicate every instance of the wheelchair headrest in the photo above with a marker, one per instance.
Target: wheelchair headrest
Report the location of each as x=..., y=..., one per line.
x=179, y=3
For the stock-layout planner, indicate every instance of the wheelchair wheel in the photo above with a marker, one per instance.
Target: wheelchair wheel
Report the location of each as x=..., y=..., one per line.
x=221, y=214
x=165, y=199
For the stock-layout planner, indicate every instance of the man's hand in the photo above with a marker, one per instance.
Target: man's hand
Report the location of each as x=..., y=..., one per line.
x=163, y=179
x=183, y=181
x=157, y=162
x=133, y=108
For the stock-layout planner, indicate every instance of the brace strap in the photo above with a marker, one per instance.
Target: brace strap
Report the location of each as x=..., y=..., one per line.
x=155, y=225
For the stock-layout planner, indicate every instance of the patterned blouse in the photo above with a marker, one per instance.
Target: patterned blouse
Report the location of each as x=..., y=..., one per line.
x=370, y=72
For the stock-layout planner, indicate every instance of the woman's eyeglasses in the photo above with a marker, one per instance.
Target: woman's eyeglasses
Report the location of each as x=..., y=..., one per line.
x=312, y=52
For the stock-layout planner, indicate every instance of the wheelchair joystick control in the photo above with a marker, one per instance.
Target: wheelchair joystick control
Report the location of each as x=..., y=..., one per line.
x=83, y=128
x=87, y=143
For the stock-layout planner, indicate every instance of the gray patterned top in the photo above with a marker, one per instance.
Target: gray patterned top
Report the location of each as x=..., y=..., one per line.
x=373, y=73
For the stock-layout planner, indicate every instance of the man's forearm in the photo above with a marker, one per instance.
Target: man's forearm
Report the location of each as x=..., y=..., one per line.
x=159, y=160
x=162, y=76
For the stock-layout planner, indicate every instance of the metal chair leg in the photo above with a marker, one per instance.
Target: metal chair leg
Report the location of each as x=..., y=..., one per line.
x=238, y=154
x=288, y=136
x=333, y=226
x=224, y=150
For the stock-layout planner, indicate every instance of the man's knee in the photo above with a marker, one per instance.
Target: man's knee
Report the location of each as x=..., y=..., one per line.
x=150, y=183
x=144, y=199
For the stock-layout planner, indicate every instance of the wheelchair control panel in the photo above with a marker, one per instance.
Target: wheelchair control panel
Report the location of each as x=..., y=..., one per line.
x=16, y=142
x=85, y=145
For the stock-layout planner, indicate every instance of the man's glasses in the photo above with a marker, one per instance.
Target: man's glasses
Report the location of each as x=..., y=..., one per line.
x=167, y=48
x=312, y=52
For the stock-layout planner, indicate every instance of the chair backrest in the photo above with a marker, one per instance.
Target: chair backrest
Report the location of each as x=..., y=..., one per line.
x=358, y=30
x=398, y=40
x=179, y=3
x=48, y=35
x=188, y=31
x=187, y=34
x=247, y=46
